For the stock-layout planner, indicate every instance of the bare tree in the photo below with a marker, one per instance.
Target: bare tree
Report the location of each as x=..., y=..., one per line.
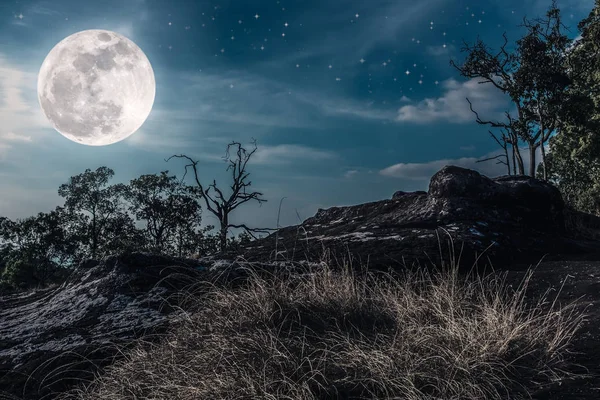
x=510, y=136
x=217, y=202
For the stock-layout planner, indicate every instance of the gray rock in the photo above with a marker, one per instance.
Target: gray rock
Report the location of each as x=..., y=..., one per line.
x=102, y=304
x=509, y=219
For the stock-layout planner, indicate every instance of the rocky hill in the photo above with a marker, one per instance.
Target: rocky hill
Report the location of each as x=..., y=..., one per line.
x=50, y=339
x=510, y=219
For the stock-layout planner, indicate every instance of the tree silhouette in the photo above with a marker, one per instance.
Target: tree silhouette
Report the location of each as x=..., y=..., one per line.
x=536, y=78
x=220, y=204
x=168, y=209
x=573, y=163
x=89, y=195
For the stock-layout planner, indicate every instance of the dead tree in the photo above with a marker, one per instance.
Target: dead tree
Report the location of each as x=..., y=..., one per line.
x=510, y=136
x=220, y=205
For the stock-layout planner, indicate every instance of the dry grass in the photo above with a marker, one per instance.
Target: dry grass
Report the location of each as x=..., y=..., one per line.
x=330, y=334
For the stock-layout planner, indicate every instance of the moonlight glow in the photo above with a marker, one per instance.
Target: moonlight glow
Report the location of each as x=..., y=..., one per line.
x=96, y=87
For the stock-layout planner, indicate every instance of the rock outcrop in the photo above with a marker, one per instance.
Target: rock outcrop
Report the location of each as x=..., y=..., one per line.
x=509, y=219
x=76, y=326
x=48, y=335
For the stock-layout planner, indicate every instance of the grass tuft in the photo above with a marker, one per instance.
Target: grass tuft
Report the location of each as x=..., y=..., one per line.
x=332, y=334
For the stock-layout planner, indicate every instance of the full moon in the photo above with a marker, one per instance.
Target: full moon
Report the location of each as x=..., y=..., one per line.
x=96, y=87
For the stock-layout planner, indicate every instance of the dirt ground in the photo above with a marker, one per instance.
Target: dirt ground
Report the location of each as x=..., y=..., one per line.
x=583, y=286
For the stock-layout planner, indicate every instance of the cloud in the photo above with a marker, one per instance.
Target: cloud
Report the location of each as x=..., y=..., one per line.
x=355, y=109
x=467, y=148
x=350, y=174
x=424, y=171
x=43, y=8
x=13, y=137
x=20, y=113
x=289, y=153
x=440, y=50
x=452, y=106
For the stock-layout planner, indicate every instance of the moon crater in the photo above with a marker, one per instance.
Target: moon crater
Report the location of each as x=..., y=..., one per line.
x=96, y=87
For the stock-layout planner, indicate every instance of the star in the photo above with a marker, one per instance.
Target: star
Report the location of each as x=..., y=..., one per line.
x=231, y=86
x=444, y=33
x=170, y=47
x=222, y=50
x=418, y=41
x=436, y=82
x=414, y=65
x=338, y=79
x=286, y=24
x=297, y=65
x=233, y=37
x=407, y=72
x=257, y=16
x=262, y=47
x=361, y=60
x=395, y=79
x=330, y=67
x=20, y=16
x=356, y=15
x=420, y=82
x=239, y=21
x=479, y=21
x=170, y=24
x=283, y=34
x=444, y=45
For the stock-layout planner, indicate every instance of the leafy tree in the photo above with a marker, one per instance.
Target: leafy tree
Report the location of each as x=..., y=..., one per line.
x=172, y=216
x=98, y=205
x=220, y=204
x=536, y=79
x=573, y=163
x=122, y=235
x=37, y=249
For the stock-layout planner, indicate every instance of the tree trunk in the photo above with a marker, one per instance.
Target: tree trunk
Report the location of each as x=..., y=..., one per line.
x=223, y=233
x=507, y=158
x=544, y=159
x=94, y=237
x=514, y=160
x=532, y=149
x=520, y=163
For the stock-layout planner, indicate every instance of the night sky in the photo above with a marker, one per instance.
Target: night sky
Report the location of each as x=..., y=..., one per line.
x=349, y=100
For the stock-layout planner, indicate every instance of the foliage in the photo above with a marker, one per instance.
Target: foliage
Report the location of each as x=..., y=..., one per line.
x=97, y=208
x=172, y=216
x=37, y=249
x=155, y=212
x=574, y=160
x=536, y=77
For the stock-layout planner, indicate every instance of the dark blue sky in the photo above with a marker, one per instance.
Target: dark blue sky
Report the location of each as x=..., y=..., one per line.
x=349, y=100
